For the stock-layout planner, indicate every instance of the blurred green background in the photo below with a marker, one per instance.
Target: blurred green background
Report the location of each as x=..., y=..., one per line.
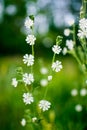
x=51, y=17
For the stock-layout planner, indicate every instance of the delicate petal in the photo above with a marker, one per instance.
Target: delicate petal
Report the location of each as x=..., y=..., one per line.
x=23, y=122
x=82, y=32
x=28, y=59
x=28, y=78
x=67, y=32
x=64, y=51
x=14, y=82
x=56, y=49
x=69, y=44
x=56, y=66
x=28, y=98
x=30, y=39
x=28, y=23
x=44, y=105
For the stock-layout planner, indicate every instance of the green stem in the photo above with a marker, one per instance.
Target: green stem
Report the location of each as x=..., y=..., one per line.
x=45, y=92
x=53, y=59
x=78, y=60
x=74, y=34
x=33, y=50
x=84, y=7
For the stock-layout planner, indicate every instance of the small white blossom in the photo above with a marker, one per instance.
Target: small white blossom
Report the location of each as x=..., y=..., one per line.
x=23, y=122
x=28, y=78
x=28, y=98
x=57, y=66
x=83, y=92
x=14, y=82
x=69, y=44
x=44, y=105
x=56, y=49
x=43, y=82
x=71, y=22
x=43, y=70
x=83, y=23
x=82, y=32
x=64, y=51
x=28, y=59
x=28, y=23
x=78, y=108
x=34, y=119
x=74, y=92
x=49, y=77
x=30, y=39
x=67, y=32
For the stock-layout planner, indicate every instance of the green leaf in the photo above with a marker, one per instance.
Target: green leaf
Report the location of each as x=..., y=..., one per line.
x=59, y=40
x=19, y=70
x=31, y=17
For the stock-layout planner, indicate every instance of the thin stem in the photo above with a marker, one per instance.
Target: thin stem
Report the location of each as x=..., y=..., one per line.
x=74, y=34
x=33, y=50
x=53, y=59
x=45, y=92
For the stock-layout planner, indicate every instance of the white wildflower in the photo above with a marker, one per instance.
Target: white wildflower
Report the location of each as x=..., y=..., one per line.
x=82, y=32
x=71, y=21
x=67, y=32
x=28, y=59
x=78, y=108
x=44, y=105
x=49, y=77
x=43, y=70
x=56, y=49
x=74, y=92
x=28, y=23
x=83, y=23
x=34, y=119
x=43, y=82
x=28, y=78
x=69, y=44
x=64, y=51
x=14, y=82
x=28, y=98
x=83, y=92
x=57, y=66
x=23, y=122
x=30, y=39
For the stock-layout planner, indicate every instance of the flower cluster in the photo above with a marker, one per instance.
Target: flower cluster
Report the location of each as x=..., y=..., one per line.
x=78, y=49
x=28, y=78
x=56, y=65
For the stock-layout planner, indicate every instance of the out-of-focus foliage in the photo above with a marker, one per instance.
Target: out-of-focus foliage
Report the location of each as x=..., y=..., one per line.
x=51, y=17
x=63, y=104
